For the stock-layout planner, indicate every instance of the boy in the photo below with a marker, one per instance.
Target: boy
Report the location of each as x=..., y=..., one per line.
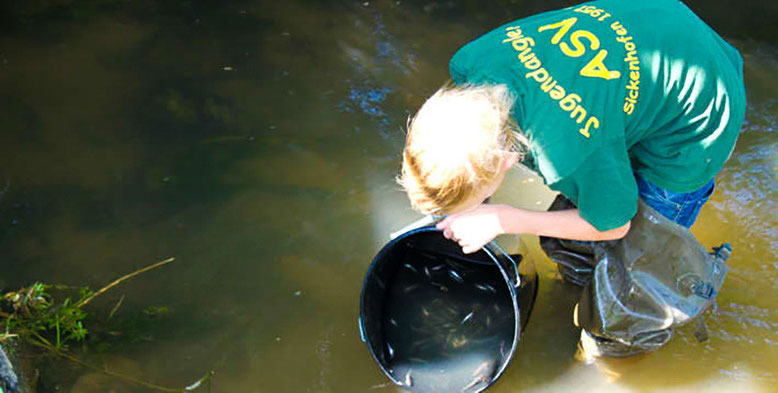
x=609, y=101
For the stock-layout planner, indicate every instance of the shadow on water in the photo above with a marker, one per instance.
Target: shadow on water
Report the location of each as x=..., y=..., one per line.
x=258, y=143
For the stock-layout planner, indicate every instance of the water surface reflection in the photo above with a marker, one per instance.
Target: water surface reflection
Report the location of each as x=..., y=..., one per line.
x=258, y=143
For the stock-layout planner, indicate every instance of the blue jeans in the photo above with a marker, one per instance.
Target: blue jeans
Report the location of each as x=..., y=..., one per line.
x=679, y=207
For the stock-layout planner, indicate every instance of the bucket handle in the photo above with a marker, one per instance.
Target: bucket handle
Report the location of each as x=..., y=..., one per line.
x=490, y=249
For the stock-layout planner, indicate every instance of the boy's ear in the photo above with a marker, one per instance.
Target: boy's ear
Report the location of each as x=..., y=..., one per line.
x=511, y=158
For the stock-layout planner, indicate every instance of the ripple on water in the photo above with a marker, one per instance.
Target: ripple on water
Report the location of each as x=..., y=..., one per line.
x=748, y=188
x=751, y=316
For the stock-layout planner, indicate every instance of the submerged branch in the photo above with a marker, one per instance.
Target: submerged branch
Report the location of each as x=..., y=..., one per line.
x=47, y=346
x=123, y=278
x=116, y=307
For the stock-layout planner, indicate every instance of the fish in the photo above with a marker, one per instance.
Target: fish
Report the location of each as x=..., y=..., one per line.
x=455, y=276
x=420, y=344
x=480, y=368
x=411, y=268
x=440, y=286
x=408, y=380
x=475, y=382
x=466, y=318
x=379, y=282
x=425, y=312
x=486, y=288
x=390, y=350
x=427, y=272
x=436, y=268
x=410, y=288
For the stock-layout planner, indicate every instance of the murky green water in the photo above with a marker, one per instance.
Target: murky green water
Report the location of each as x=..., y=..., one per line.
x=257, y=142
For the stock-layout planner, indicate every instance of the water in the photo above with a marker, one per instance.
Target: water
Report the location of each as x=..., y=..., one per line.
x=257, y=142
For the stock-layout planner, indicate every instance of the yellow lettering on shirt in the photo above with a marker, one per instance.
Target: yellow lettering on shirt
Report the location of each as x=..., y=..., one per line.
x=595, y=68
x=633, y=85
x=568, y=102
x=575, y=39
x=563, y=26
x=593, y=11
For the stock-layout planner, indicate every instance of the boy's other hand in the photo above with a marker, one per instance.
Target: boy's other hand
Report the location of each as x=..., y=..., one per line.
x=473, y=228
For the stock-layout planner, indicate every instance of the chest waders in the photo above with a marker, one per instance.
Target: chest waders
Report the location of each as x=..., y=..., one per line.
x=636, y=290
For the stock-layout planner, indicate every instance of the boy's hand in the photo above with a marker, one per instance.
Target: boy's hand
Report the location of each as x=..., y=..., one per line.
x=473, y=228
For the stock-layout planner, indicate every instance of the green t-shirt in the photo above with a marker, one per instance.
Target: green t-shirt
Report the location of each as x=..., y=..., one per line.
x=610, y=87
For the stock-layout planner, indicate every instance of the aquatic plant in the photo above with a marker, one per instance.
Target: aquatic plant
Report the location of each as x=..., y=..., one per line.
x=32, y=313
x=35, y=316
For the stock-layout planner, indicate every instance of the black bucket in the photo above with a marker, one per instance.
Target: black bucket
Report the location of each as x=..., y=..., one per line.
x=438, y=320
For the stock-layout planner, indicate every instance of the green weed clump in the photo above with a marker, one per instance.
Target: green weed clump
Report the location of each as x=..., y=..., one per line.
x=34, y=316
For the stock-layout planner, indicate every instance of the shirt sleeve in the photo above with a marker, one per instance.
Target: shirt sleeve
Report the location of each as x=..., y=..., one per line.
x=603, y=187
x=456, y=69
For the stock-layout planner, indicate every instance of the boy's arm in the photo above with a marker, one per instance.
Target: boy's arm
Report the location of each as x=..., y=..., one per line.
x=474, y=228
x=564, y=224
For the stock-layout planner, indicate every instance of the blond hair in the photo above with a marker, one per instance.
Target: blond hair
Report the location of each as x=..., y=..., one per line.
x=455, y=145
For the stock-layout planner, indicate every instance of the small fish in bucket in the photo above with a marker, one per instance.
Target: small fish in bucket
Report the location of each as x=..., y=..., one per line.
x=438, y=320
